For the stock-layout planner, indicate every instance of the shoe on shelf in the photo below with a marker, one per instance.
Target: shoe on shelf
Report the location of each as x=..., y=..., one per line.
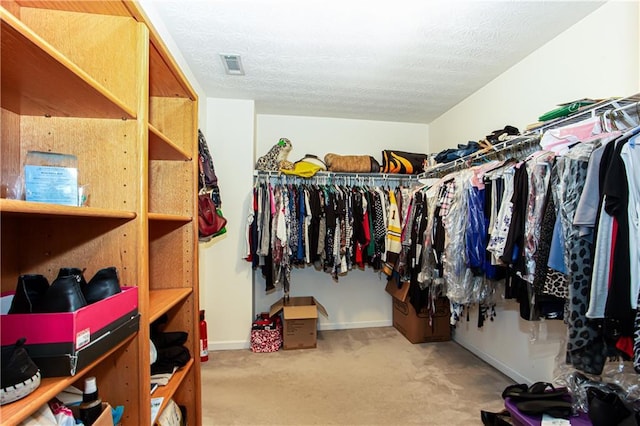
x=76, y=272
x=20, y=375
x=29, y=294
x=103, y=284
x=64, y=295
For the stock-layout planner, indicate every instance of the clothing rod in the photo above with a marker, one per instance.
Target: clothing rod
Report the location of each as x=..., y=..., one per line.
x=590, y=110
x=514, y=143
x=326, y=175
x=633, y=105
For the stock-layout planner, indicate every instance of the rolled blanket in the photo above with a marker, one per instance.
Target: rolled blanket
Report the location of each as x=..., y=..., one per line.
x=351, y=163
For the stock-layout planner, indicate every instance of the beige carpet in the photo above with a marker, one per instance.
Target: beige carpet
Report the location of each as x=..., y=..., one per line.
x=370, y=376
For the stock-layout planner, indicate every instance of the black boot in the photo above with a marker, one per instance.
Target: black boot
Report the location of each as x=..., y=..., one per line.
x=77, y=272
x=104, y=283
x=29, y=294
x=64, y=295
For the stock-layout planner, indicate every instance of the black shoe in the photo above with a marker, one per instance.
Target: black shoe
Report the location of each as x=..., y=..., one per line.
x=29, y=294
x=76, y=272
x=503, y=418
x=64, y=295
x=104, y=283
x=20, y=376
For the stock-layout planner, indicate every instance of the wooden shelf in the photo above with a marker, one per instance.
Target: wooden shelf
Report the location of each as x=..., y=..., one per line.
x=167, y=391
x=22, y=208
x=16, y=412
x=160, y=301
x=94, y=79
x=105, y=8
x=163, y=81
x=163, y=217
x=39, y=80
x=161, y=148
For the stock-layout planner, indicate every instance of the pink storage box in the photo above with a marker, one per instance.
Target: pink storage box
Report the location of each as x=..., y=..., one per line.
x=62, y=343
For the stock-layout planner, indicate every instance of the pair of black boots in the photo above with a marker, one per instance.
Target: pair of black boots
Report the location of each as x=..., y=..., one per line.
x=68, y=292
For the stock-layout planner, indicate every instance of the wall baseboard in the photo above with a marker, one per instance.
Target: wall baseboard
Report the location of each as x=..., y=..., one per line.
x=359, y=324
x=229, y=345
x=503, y=368
x=246, y=344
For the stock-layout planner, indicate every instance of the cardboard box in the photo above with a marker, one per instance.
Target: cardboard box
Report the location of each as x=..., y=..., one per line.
x=300, y=318
x=415, y=326
x=63, y=343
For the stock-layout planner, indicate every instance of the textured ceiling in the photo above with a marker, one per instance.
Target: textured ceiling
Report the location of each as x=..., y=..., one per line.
x=403, y=60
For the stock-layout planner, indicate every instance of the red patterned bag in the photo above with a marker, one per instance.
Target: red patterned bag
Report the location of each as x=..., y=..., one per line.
x=266, y=333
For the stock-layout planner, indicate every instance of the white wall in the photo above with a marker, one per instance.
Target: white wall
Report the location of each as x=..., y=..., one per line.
x=357, y=299
x=320, y=136
x=225, y=277
x=598, y=57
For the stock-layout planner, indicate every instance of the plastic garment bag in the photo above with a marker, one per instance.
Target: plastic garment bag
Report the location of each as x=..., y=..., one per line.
x=457, y=275
x=426, y=275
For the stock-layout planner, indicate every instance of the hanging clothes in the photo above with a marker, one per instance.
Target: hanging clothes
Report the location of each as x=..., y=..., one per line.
x=335, y=227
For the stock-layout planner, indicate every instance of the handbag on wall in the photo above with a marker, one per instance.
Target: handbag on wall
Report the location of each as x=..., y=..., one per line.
x=211, y=221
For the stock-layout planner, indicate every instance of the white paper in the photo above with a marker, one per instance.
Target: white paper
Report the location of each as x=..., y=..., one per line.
x=155, y=407
x=547, y=420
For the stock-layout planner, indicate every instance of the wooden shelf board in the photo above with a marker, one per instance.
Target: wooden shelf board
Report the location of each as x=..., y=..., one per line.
x=169, y=217
x=103, y=8
x=16, y=412
x=161, y=148
x=19, y=207
x=38, y=80
x=160, y=301
x=163, y=81
x=167, y=391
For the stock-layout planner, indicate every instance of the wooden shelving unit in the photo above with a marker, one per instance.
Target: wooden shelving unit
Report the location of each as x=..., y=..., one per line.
x=94, y=79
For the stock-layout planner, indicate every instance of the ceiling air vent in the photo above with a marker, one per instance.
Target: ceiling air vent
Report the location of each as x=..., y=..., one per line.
x=232, y=64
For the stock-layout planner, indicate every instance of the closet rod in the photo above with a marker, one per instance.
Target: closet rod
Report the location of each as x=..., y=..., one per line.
x=329, y=175
x=507, y=145
x=635, y=105
x=590, y=110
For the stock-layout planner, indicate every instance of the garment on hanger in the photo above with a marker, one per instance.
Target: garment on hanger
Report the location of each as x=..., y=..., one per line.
x=333, y=226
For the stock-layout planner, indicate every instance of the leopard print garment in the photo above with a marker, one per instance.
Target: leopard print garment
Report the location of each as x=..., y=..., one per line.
x=277, y=155
x=585, y=346
x=547, y=280
x=556, y=284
